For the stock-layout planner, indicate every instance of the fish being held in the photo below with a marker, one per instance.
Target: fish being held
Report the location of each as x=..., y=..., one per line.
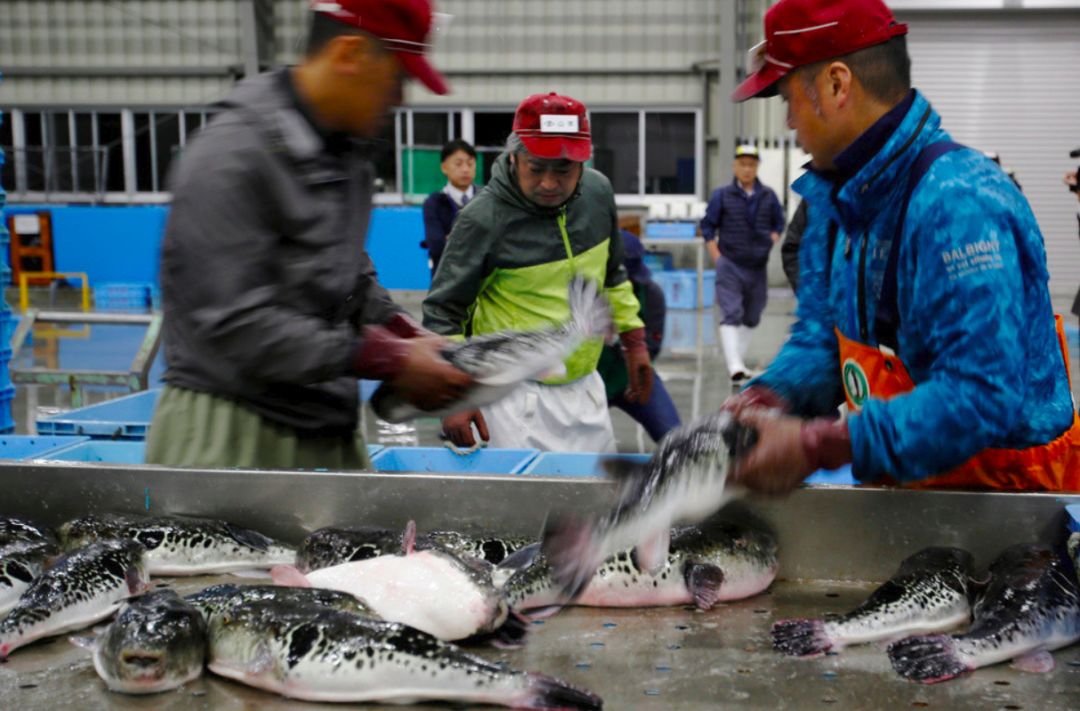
x=318, y=654
x=218, y=599
x=931, y=592
x=718, y=561
x=683, y=482
x=182, y=546
x=1030, y=607
x=431, y=590
x=500, y=362
x=156, y=643
x=81, y=588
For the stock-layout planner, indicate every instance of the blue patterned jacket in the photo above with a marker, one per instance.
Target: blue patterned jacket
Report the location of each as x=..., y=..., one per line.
x=976, y=327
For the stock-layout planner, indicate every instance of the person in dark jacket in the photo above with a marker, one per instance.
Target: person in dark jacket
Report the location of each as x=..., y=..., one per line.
x=658, y=415
x=459, y=166
x=271, y=305
x=789, y=249
x=740, y=227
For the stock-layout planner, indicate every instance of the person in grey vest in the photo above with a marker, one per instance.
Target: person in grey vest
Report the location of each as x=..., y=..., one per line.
x=742, y=223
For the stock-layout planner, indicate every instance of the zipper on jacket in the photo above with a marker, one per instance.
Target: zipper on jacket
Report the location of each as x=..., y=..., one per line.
x=863, y=330
x=561, y=219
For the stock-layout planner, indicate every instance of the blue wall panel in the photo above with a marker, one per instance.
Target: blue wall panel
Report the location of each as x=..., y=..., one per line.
x=123, y=244
x=108, y=243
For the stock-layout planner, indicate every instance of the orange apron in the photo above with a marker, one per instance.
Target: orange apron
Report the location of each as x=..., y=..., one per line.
x=869, y=372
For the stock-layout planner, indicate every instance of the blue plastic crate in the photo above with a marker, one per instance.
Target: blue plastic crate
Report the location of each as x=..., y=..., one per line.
x=33, y=446
x=841, y=476
x=100, y=451
x=125, y=417
x=441, y=459
x=680, y=288
x=121, y=296
x=670, y=230
x=7, y=395
x=683, y=330
x=367, y=389
x=575, y=464
x=659, y=261
x=708, y=289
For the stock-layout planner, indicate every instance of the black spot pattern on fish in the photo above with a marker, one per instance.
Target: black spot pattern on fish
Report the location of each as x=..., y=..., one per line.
x=98, y=570
x=178, y=541
x=301, y=641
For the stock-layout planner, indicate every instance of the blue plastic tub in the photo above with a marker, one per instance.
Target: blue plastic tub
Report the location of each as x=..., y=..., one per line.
x=100, y=451
x=670, y=230
x=575, y=464
x=125, y=417
x=33, y=446
x=373, y=449
x=441, y=459
x=841, y=476
x=659, y=261
x=680, y=288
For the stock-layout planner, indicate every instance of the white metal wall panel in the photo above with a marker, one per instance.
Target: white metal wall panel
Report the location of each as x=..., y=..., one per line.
x=130, y=34
x=556, y=35
x=1010, y=83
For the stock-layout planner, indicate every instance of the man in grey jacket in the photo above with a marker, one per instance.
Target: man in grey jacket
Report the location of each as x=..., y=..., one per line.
x=272, y=308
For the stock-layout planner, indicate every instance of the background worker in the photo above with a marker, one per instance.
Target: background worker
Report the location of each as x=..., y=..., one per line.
x=458, y=164
x=271, y=306
x=742, y=223
x=658, y=415
x=541, y=219
x=924, y=300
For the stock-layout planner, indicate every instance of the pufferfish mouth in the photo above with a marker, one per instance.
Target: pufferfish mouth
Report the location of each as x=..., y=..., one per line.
x=144, y=665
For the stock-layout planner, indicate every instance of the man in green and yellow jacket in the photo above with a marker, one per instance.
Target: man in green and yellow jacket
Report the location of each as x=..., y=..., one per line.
x=508, y=261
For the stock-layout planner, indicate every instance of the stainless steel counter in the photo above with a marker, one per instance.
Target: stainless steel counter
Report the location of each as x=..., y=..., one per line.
x=669, y=658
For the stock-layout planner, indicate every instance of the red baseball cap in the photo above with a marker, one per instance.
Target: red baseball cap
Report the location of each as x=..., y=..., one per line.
x=801, y=32
x=401, y=25
x=554, y=126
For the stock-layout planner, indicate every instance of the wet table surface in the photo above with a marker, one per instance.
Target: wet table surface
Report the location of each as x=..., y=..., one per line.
x=663, y=658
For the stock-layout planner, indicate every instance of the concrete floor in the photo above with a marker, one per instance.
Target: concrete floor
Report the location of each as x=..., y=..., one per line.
x=691, y=365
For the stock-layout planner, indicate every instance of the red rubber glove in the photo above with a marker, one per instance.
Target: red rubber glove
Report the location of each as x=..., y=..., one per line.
x=789, y=449
x=638, y=366
x=403, y=325
x=414, y=366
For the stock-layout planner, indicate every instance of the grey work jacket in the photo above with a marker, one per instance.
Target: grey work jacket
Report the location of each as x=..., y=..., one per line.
x=265, y=280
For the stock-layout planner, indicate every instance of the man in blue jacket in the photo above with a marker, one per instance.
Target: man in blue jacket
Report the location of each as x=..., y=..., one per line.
x=742, y=223
x=924, y=300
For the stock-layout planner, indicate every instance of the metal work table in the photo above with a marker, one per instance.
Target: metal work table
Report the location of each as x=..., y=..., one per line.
x=833, y=541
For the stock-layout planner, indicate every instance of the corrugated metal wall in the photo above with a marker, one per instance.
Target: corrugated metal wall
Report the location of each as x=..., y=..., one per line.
x=1010, y=83
x=66, y=40
x=498, y=51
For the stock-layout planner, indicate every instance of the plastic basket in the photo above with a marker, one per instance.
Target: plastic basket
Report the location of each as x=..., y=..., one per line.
x=841, y=476
x=441, y=459
x=33, y=446
x=680, y=288
x=125, y=417
x=659, y=261
x=118, y=296
x=99, y=451
x=575, y=464
x=670, y=230
x=7, y=395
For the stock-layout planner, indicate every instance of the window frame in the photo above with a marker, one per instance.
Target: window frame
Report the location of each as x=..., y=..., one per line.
x=403, y=138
